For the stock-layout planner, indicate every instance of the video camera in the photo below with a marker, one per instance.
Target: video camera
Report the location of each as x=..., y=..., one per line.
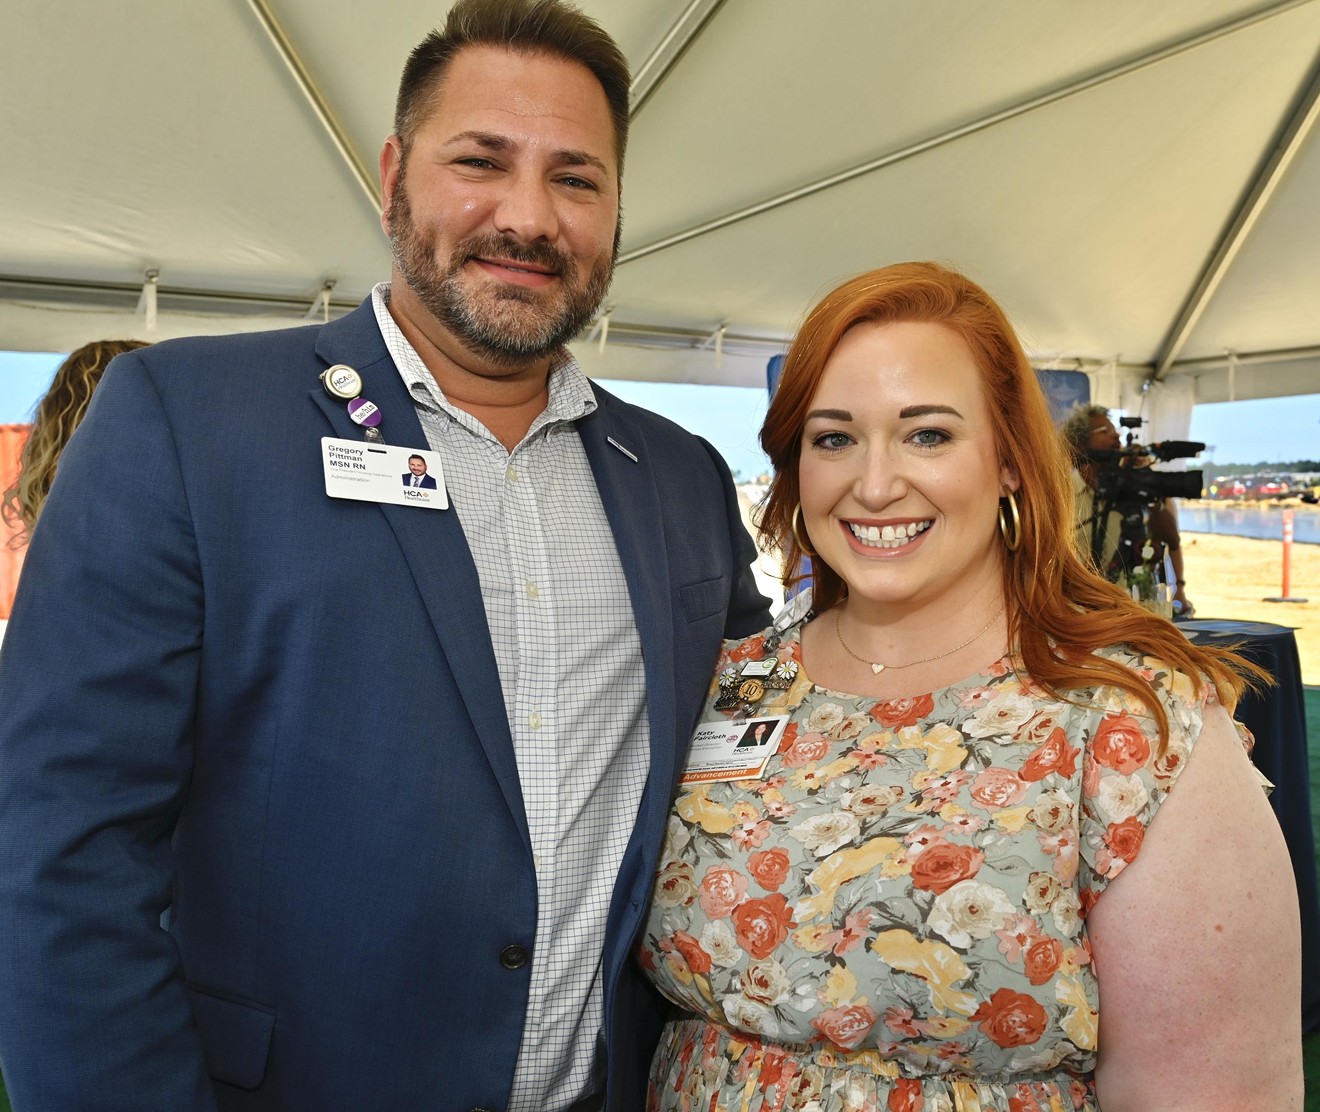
x=1126, y=484
x=1125, y=475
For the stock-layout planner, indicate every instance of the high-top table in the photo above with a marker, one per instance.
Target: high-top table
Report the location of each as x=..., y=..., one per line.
x=1277, y=718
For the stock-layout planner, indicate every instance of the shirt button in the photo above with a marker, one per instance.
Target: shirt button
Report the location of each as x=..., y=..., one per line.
x=511, y=474
x=534, y=720
x=533, y=591
x=514, y=957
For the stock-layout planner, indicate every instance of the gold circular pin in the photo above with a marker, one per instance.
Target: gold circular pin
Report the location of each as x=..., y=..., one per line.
x=751, y=691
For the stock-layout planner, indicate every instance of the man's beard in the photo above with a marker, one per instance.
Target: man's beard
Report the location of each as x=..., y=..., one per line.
x=506, y=325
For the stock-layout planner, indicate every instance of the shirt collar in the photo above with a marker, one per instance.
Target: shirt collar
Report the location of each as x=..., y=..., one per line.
x=570, y=394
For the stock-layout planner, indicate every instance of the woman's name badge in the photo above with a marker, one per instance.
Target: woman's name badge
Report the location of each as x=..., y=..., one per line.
x=370, y=472
x=733, y=750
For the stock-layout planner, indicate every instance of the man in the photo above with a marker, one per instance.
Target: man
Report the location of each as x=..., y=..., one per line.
x=417, y=476
x=1090, y=435
x=240, y=867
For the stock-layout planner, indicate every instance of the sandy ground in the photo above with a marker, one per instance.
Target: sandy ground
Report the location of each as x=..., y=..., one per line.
x=1229, y=577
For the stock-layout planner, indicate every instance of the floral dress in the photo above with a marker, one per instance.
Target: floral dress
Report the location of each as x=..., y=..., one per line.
x=891, y=916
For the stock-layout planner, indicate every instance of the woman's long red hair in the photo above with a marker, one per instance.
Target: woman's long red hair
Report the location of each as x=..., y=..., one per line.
x=1059, y=610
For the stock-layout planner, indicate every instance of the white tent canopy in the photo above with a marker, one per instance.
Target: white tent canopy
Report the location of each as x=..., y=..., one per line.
x=1138, y=183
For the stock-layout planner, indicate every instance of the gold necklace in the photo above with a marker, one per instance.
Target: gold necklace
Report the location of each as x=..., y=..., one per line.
x=877, y=667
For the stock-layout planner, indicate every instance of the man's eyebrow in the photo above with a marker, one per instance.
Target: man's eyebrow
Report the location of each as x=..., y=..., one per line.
x=829, y=415
x=927, y=410
x=493, y=141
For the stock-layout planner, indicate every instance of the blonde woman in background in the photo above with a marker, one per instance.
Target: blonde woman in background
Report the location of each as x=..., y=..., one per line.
x=59, y=413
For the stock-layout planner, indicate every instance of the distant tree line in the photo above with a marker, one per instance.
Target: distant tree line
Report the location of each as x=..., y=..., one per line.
x=1301, y=466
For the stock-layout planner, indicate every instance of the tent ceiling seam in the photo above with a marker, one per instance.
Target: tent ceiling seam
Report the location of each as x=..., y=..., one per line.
x=320, y=106
x=1300, y=120
x=1268, y=11
x=660, y=62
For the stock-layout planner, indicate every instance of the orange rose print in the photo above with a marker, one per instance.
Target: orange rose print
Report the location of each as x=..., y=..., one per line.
x=1010, y=1018
x=751, y=649
x=905, y=1096
x=1041, y=958
x=697, y=959
x=1124, y=838
x=808, y=748
x=721, y=890
x=896, y=713
x=996, y=788
x=788, y=738
x=1120, y=744
x=1056, y=755
x=939, y=867
x=769, y=868
x=761, y=925
x=846, y=1027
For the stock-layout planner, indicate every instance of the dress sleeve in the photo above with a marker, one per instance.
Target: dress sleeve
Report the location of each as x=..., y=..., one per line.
x=1127, y=775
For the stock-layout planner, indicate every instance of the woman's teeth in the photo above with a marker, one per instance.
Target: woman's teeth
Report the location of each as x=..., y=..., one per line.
x=888, y=536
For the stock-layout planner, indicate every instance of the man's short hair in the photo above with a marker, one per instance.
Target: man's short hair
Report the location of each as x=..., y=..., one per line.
x=527, y=26
x=1076, y=428
x=413, y=457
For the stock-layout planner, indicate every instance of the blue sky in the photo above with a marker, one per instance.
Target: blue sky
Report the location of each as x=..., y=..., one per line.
x=1267, y=429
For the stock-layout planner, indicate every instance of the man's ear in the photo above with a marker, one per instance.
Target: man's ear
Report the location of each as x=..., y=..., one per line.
x=391, y=166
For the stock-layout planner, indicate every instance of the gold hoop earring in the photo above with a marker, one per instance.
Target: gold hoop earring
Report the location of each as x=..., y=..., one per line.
x=803, y=547
x=1012, y=536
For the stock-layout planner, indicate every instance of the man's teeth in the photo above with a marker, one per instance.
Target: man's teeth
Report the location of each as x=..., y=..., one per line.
x=888, y=536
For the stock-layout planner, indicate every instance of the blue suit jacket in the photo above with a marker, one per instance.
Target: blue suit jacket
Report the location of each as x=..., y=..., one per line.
x=202, y=728
x=427, y=483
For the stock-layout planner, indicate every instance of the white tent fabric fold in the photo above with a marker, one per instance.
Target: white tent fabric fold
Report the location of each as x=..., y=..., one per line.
x=1139, y=184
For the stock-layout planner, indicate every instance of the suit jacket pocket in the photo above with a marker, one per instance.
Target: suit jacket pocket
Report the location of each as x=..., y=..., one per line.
x=235, y=1037
x=701, y=600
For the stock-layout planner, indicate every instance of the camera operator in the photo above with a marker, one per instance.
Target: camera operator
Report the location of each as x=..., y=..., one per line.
x=1119, y=511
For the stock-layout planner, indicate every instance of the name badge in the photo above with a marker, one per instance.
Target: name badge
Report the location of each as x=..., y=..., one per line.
x=733, y=750
x=369, y=472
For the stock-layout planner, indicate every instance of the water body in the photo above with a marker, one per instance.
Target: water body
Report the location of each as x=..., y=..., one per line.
x=1237, y=520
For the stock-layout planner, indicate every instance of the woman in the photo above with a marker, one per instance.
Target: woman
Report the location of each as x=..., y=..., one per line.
x=918, y=900
x=59, y=412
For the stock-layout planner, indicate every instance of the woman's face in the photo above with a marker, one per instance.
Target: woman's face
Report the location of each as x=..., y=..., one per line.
x=900, y=479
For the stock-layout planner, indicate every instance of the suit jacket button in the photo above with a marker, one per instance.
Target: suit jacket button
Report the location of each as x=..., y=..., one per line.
x=514, y=957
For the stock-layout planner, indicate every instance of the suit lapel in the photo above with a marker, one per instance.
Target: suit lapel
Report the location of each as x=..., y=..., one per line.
x=432, y=542
x=620, y=462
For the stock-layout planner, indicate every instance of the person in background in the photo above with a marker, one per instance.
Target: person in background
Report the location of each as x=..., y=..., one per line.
x=1088, y=429
x=1011, y=853
x=245, y=868
x=59, y=412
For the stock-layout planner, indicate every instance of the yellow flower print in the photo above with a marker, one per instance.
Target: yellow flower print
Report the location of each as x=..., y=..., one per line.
x=942, y=745
x=1081, y=1021
x=744, y=812
x=873, y=743
x=815, y=938
x=939, y=965
x=1013, y=819
x=966, y=1098
x=695, y=808
x=839, y=868
x=838, y=768
x=1074, y=958
x=839, y=988
x=942, y=1026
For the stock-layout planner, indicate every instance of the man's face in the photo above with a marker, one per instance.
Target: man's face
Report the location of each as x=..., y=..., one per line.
x=1103, y=437
x=504, y=217
x=417, y=466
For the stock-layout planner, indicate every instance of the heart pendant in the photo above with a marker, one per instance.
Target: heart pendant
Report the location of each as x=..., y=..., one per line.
x=877, y=668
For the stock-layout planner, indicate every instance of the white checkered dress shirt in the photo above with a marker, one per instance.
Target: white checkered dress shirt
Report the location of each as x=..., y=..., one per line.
x=570, y=665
